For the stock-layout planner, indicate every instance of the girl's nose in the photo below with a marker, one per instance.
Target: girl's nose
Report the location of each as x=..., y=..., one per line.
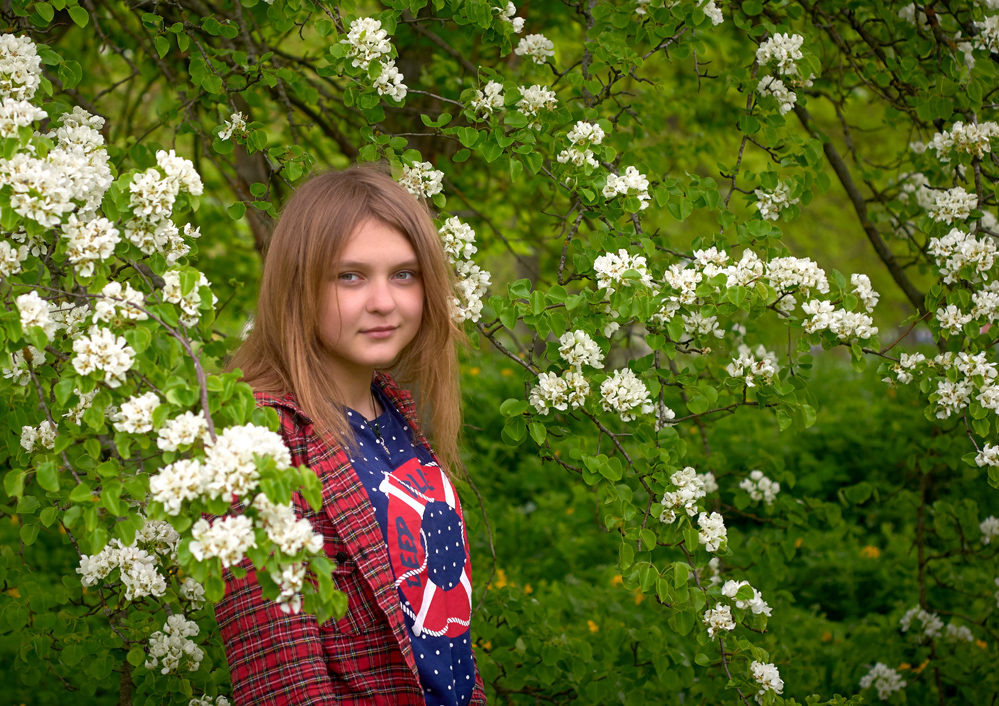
x=380, y=296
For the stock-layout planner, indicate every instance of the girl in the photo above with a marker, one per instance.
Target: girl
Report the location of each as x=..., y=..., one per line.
x=355, y=283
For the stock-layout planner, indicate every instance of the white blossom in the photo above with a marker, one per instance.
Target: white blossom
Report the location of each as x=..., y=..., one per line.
x=554, y=392
x=756, y=604
x=534, y=100
x=863, y=289
x=422, y=179
x=509, y=14
x=472, y=284
x=390, y=81
x=713, y=532
x=770, y=204
x=957, y=250
x=235, y=123
x=20, y=67
x=136, y=414
x=15, y=114
x=625, y=394
x=683, y=281
x=633, y=183
x=89, y=242
x=190, y=304
x=760, y=487
x=536, y=46
x=228, y=539
x=194, y=592
x=20, y=372
x=775, y=88
x=489, y=99
x=689, y=489
x=712, y=12
x=785, y=48
x=183, y=430
x=366, y=42
x=36, y=311
x=708, y=481
x=11, y=258
x=719, y=618
x=751, y=370
x=171, y=651
x=952, y=397
x=101, y=350
x=931, y=624
x=988, y=456
x=885, y=679
x=696, y=324
x=959, y=633
x=291, y=534
x=971, y=138
x=987, y=38
x=176, y=483
x=952, y=205
x=458, y=239
x=989, y=528
x=42, y=435
x=230, y=468
x=768, y=679
x=119, y=302
x=578, y=349
x=610, y=269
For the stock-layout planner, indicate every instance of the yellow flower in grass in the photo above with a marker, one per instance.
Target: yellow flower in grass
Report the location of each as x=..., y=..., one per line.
x=870, y=551
x=592, y=625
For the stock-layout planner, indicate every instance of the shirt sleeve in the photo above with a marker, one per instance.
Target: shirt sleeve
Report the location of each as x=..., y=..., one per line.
x=274, y=658
x=479, y=692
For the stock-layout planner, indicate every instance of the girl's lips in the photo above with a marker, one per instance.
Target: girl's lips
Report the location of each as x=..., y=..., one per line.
x=379, y=333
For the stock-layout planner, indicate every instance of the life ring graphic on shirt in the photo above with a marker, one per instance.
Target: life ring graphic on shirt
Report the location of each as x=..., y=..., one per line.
x=427, y=548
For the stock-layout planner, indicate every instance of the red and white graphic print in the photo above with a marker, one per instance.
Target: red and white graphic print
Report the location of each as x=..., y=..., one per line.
x=427, y=546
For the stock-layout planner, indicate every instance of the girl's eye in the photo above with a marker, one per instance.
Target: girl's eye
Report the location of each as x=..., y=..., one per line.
x=412, y=275
x=346, y=274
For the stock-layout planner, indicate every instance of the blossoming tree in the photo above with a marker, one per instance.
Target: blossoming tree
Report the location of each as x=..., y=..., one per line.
x=650, y=309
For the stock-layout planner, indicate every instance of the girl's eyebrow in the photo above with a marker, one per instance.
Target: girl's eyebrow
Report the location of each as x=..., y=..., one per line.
x=364, y=265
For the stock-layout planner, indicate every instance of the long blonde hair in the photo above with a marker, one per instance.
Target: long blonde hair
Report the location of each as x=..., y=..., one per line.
x=284, y=352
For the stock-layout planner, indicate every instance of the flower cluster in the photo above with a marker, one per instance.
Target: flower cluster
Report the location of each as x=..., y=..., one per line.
x=578, y=349
x=958, y=250
x=751, y=370
x=35, y=311
x=190, y=303
x=509, y=14
x=235, y=124
x=989, y=528
x=171, y=651
x=89, y=242
x=534, y=100
x=389, y=82
x=610, y=269
x=633, y=183
x=767, y=677
x=43, y=435
x=625, y=394
x=718, y=618
x=230, y=468
x=785, y=48
x=137, y=565
x=489, y=99
x=20, y=67
x=689, y=489
x=931, y=623
x=422, y=180
x=101, y=350
x=193, y=592
x=554, y=392
x=756, y=604
x=952, y=205
x=228, y=539
x=125, y=302
x=458, y=240
x=713, y=533
x=988, y=456
x=366, y=42
x=774, y=88
x=136, y=414
x=536, y=46
x=473, y=282
x=583, y=136
x=974, y=139
x=885, y=679
x=760, y=487
x=153, y=195
x=770, y=204
x=849, y=326
x=181, y=431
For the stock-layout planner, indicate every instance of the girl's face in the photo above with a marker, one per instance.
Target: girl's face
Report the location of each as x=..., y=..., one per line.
x=380, y=292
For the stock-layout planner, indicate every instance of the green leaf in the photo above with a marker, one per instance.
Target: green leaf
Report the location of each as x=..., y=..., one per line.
x=80, y=16
x=48, y=476
x=237, y=210
x=136, y=656
x=162, y=45
x=214, y=589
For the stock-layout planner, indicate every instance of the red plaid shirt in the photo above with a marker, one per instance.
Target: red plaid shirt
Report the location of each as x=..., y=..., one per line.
x=364, y=658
